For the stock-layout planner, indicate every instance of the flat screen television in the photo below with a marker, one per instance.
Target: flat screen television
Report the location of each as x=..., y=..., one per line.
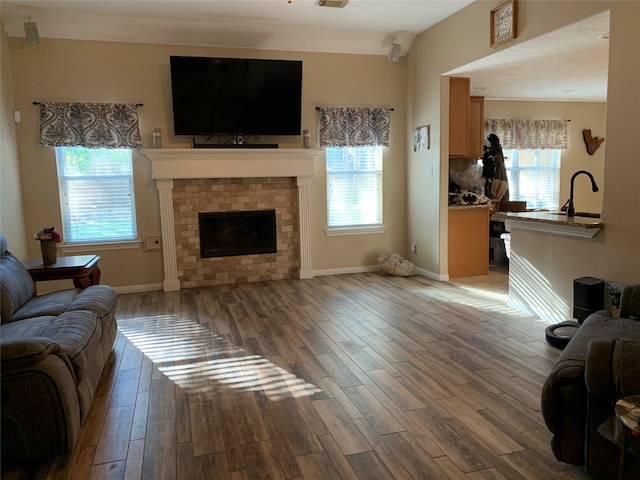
x=236, y=96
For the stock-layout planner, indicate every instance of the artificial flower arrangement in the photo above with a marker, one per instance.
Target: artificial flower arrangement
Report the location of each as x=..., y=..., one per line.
x=48, y=234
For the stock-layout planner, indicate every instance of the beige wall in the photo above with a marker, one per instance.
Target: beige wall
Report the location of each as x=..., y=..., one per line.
x=614, y=254
x=415, y=185
x=583, y=115
x=11, y=217
x=359, y=81
x=553, y=261
x=69, y=70
x=456, y=41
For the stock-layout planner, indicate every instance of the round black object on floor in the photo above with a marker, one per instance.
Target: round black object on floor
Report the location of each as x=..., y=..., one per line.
x=558, y=335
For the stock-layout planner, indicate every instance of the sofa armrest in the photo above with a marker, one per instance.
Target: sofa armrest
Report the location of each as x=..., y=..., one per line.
x=562, y=392
x=598, y=367
x=630, y=302
x=613, y=368
x=24, y=353
x=40, y=414
x=612, y=372
x=27, y=349
x=564, y=409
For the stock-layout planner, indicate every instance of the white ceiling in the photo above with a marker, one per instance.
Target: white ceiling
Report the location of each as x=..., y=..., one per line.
x=537, y=69
x=571, y=64
x=362, y=26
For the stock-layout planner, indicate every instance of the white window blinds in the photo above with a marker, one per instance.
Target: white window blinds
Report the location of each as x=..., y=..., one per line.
x=534, y=176
x=354, y=186
x=96, y=194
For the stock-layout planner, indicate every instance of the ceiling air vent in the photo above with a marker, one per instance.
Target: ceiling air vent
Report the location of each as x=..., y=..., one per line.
x=332, y=3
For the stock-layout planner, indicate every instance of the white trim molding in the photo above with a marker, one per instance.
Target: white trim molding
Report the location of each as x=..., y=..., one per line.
x=555, y=228
x=92, y=247
x=364, y=230
x=191, y=163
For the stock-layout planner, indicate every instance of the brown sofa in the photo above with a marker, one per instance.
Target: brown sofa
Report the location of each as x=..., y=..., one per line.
x=600, y=365
x=53, y=348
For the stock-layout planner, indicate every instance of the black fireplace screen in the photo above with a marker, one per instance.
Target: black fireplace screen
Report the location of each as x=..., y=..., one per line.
x=223, y=234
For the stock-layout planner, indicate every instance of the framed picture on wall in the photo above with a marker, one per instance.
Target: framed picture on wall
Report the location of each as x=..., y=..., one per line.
x=504, y=22
x=421, y=140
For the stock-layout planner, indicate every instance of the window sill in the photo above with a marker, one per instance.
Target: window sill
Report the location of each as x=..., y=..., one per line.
x=92, y=247
x=355, y=230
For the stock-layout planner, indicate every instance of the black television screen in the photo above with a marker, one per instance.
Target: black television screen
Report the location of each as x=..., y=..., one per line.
x=236, y=96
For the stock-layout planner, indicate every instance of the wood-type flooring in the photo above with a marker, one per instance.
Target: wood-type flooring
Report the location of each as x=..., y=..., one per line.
x=359, y=376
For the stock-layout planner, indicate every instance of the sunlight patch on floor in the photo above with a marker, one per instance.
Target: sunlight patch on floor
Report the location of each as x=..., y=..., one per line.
x=473, y=296
x=201, y=361
x=533, y=293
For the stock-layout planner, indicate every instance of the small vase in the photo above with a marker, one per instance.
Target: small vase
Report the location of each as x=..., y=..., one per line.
x=49, y=251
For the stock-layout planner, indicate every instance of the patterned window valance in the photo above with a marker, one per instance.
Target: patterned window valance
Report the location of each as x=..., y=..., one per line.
x=90, y=125
x=521, y=134
x=354, y=127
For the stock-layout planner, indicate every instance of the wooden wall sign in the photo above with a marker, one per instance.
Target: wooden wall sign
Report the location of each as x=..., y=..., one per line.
x=504, y=22
x=592, y=143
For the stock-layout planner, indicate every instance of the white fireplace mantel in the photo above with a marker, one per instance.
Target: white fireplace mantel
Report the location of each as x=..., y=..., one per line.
x=189, y=163
x=231, y=162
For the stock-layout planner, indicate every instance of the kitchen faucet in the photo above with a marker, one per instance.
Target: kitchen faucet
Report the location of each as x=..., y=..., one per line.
x=571, y=211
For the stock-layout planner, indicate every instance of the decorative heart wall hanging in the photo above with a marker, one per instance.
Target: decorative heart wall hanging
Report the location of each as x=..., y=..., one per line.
x=592, y=143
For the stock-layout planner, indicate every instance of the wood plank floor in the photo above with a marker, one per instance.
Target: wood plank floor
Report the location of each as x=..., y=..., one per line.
x=360, y=376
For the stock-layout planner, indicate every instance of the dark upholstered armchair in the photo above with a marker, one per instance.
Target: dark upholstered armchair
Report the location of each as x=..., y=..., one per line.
x=600, y=364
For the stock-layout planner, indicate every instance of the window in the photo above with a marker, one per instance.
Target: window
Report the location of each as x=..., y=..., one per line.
x=354, y=186
x=534, y=176
x=96, y=195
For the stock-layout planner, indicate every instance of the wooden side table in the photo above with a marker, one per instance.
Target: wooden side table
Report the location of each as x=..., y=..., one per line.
x=82, y=269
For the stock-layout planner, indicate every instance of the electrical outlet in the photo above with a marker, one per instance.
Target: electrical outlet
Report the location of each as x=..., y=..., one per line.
x=152, y=241
x=414, y=247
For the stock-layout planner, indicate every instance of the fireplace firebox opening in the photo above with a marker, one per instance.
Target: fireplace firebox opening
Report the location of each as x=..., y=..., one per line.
x=225, y=234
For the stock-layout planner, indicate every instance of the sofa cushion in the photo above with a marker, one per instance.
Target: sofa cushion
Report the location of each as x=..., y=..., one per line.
x=53, y=303
x=17, y=286
x=78, y=333
x=99, y=299
x=30, y=327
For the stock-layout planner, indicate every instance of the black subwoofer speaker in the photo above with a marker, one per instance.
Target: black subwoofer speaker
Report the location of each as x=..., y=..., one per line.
x=588, y=297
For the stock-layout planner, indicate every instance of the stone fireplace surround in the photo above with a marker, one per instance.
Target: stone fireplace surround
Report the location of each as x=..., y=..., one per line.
x=168, y=165
x=217, y=195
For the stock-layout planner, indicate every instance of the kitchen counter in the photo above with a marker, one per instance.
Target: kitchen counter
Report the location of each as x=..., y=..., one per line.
x=551, y=222
x=468, y=207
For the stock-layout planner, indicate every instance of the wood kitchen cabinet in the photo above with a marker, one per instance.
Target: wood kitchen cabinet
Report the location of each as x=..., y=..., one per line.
x=459, y=116
x=475, y=145
x=468, y=241
x=466, y=120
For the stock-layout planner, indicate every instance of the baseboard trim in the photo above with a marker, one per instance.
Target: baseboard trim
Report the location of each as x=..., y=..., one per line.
x=306, y=274
x=139, y=288
x=343, y=271
x=315, y=273
x=433, y=276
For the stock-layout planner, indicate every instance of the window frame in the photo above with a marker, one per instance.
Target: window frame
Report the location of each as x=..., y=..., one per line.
x=357, y=229
x=513, y=160
x=80, y=246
